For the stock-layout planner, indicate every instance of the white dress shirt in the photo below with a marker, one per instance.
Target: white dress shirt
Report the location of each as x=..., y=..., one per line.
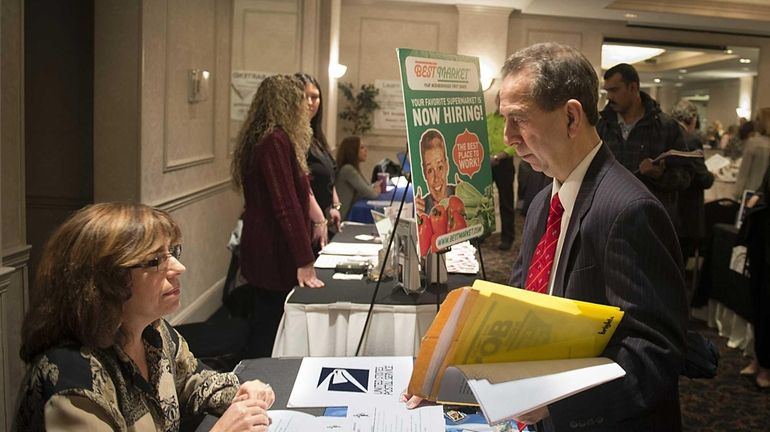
x=568, y=192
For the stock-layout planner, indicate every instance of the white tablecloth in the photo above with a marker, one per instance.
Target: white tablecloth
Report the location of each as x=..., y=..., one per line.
x=737, y=330
x=333, y=330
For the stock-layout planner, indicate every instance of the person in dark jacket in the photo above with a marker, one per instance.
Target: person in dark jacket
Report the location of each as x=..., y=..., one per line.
x=691, y=206
x=320, y=161
x=756, y=230
x=637, y=132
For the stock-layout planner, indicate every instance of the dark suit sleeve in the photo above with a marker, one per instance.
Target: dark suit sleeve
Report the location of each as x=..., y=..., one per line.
x=641, y=270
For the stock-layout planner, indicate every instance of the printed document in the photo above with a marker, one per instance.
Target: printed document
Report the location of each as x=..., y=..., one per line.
x=341, y=381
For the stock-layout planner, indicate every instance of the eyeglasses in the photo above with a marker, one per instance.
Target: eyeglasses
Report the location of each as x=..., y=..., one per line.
x=174, y=251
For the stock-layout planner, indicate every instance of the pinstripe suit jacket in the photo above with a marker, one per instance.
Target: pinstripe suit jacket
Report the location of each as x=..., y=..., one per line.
x=620, y=249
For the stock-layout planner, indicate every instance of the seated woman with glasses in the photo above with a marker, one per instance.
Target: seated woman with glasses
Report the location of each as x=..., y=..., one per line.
x=99, y=354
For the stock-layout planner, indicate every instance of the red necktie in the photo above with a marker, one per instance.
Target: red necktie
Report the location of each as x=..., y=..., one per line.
x=542, y=261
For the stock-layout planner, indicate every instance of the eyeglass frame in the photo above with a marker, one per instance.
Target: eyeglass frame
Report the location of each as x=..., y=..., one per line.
x=174, y=251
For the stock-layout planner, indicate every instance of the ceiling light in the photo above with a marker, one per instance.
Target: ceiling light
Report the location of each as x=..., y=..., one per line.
x=745, y=60
x=630, y=15
x=682, y=70
x=613, y=54
x=656, y=80
x=678, y=85
x=680, y=77
x=728, y=51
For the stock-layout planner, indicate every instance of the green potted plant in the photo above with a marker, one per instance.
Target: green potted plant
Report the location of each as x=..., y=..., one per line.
x=360, y=106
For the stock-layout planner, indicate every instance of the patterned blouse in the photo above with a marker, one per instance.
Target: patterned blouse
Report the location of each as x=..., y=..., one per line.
x=71, y=388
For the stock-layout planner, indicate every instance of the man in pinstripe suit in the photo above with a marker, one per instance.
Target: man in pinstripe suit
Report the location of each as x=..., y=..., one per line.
x=616, y=244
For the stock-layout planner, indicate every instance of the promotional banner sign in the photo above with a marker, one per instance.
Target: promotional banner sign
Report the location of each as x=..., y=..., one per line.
x=448, y=147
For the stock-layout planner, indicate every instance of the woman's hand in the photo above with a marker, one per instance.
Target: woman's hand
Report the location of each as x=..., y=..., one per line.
x=307, y=278
x=320, y=234
x=244, y=414
x=257, y=390
x=377, y=186
x=335, y=218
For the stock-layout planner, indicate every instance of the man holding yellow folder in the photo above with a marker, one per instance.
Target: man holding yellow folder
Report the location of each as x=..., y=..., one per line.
x=598, y=235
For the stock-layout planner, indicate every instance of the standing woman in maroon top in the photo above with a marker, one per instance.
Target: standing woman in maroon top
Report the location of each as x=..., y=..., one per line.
x=270, y=165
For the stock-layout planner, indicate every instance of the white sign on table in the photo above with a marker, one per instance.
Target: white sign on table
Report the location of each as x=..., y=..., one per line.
x=341, y=381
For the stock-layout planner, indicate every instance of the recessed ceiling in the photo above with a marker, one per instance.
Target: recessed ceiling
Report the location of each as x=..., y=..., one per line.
x=734, y=16
x=687, y=64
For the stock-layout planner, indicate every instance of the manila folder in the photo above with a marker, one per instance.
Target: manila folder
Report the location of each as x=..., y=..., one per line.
x=507, y=390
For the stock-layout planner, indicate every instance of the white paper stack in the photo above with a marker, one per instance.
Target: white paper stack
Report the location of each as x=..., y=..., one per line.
x=462, y=259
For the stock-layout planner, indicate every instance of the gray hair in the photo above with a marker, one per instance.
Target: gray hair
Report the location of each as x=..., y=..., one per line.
x=684, y=111
x=560, y=73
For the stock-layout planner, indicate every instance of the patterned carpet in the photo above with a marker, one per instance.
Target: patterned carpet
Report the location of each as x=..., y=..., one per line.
x=729, y=402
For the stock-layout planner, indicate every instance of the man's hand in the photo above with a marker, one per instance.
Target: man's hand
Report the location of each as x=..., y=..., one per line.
x=411, y=401
x=419, y=201
x=651, y=170
x=534, y=416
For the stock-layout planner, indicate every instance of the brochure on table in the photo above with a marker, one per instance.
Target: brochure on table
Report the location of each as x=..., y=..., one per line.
x=382, y=417
x=341, y=381
x=448, y=147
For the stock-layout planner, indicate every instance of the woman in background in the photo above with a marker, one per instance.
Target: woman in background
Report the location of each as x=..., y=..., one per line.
x=350, y=183
x=756, y=231
x=270, y=164
x=320, y=161
x=100, y=355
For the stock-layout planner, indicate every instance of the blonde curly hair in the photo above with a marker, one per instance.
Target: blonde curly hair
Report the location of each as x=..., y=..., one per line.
x=278, y=103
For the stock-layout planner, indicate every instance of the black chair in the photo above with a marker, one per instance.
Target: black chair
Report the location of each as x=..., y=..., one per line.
x=220, y=341
x=388, y=166
x=722, y=211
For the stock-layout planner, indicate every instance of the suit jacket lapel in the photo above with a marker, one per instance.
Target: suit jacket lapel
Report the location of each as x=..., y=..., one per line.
x=596, y=170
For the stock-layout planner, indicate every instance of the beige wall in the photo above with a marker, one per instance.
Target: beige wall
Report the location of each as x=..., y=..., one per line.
x=151, y=144
x=723, y=99
x=369, y=36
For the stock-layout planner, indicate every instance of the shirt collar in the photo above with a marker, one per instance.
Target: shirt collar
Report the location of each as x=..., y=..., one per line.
x=568, y=190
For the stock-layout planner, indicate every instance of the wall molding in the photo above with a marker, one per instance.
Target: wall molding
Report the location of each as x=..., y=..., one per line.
x=17, y=256
x=206, y=156
x=185, y=199
x=5, y=278
x=203, y=307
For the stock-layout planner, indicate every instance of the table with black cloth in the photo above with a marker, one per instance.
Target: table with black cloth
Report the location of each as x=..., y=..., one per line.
x=279, y=373
x=361, y=211
x=329, y=321
x=724, y=294
x=727, y=286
